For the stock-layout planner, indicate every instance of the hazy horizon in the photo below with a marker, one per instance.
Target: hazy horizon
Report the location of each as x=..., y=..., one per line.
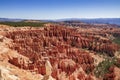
x=59, y=9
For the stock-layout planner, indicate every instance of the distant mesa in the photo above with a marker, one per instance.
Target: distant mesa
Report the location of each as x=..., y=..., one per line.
x=115, y=21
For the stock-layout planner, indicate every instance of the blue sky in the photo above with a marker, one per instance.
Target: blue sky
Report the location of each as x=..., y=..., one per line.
x=58, y=9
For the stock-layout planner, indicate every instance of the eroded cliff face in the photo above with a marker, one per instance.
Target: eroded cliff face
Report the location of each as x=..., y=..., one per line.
x=57, y=36
x=58, y=52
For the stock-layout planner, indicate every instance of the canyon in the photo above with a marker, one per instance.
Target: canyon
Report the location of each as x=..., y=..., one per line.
x=60, y=51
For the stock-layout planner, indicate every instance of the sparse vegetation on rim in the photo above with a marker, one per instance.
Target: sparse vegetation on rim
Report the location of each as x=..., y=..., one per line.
x=22, y=24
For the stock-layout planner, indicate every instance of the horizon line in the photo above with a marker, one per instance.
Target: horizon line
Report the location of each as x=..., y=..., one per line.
x=60, y=18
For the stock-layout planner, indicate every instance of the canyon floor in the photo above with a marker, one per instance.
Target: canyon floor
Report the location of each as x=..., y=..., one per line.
x=60, y=51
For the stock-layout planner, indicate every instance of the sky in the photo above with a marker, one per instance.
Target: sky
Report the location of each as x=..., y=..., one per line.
x=59, y=9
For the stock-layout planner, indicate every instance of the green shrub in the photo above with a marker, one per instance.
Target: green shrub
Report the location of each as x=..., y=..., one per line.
x=117, y=40
x=104, y=66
